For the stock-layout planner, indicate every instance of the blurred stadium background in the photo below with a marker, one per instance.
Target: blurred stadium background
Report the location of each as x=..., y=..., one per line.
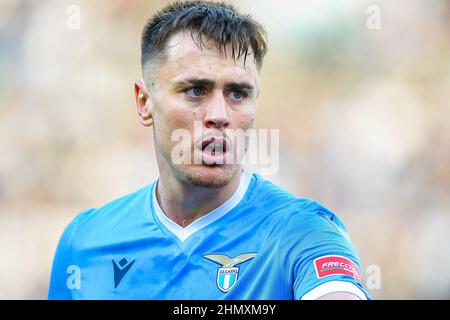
x=364, y=118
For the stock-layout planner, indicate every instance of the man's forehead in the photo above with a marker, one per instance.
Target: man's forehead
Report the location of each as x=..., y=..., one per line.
x=180, y=42
x=183, y=53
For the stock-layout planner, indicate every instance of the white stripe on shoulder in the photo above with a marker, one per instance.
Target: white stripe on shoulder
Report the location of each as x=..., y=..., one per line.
x=331, y=287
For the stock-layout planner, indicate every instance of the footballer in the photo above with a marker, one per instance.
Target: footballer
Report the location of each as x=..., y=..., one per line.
x=206, y=229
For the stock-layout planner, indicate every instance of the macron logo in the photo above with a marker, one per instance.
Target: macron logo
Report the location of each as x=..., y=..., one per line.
x=120, y=270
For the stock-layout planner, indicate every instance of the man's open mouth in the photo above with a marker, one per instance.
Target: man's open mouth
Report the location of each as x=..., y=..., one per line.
x=214, y=150
x=214, y=145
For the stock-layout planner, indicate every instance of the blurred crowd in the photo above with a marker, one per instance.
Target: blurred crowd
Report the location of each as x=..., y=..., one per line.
x=363, y=113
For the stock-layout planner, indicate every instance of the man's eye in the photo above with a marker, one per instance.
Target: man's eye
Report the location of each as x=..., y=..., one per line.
x=237, y=95
x=195, y=92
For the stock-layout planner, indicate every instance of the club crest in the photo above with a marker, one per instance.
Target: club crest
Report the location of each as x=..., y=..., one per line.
x=227, y=275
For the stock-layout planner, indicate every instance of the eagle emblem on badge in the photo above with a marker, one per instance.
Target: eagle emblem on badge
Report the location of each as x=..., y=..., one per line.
x=227, y=274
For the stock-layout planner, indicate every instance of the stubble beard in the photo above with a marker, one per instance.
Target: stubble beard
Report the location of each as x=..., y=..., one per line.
x=201, y=179
x=205, y=181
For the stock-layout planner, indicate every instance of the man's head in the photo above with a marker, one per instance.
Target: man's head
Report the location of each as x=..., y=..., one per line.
x=200, y=64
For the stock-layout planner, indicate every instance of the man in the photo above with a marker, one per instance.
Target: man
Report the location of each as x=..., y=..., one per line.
x=206, y=229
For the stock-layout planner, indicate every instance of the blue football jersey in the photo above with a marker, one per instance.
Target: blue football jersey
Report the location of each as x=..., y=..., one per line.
x=262, y=243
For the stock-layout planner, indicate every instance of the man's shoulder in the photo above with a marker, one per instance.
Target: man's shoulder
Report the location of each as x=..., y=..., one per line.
x=271, y=196
x=290, y=209
x=113, y=212
x=268, y=193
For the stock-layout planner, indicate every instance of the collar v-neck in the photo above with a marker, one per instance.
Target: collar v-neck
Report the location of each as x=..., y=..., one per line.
x=183, y=233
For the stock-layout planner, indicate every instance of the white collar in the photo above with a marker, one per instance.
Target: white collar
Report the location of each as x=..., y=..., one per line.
x=205, y=220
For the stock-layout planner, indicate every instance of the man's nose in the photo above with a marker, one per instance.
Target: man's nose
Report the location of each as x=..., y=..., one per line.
x=216, y=112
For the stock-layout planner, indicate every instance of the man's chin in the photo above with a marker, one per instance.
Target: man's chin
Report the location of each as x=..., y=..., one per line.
x=209, y=176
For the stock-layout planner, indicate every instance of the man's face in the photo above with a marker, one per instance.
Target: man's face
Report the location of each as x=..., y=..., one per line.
x=206, y=88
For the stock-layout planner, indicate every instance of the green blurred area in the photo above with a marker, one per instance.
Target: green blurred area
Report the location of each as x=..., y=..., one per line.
x=363, y=116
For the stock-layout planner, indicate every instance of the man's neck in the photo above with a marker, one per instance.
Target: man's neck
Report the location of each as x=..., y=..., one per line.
x=184, y=203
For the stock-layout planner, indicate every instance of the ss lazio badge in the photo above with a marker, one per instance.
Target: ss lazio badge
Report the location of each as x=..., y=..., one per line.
x=226, y=278
x=227, y=275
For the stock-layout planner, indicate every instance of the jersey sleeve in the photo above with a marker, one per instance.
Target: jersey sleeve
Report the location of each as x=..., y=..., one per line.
x=320, y=256
x=63, y=259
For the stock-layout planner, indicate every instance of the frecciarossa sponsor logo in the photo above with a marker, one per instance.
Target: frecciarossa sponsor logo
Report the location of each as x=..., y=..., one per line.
x=333, y=265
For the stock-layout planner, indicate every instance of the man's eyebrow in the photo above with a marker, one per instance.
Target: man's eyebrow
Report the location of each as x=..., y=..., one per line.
x=239, y=85
x=195, y=82
x=211, y=84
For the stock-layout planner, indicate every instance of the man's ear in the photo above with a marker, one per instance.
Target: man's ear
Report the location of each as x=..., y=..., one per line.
x=143, y=103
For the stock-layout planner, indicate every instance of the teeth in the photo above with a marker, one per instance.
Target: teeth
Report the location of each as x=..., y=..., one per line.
x=218, y=148
x=215, y=148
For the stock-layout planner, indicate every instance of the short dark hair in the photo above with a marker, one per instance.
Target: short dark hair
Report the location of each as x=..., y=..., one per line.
x=219, y=22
